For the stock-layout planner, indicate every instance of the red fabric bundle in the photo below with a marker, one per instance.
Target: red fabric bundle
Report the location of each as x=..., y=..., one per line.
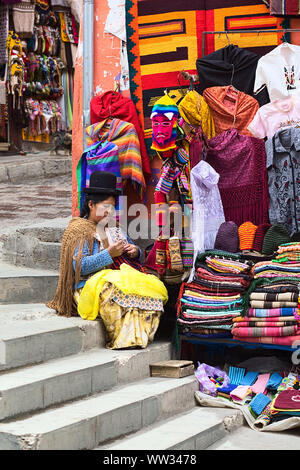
x=113, y=104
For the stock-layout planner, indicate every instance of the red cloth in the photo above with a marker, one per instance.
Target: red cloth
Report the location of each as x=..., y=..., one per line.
x=113, y=104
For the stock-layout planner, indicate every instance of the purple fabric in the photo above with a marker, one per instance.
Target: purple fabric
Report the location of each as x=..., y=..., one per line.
x=203, y=372
x=240, y=161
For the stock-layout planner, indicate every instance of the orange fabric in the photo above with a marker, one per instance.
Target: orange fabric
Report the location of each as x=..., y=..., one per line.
x=230, y=108
x=247, y=234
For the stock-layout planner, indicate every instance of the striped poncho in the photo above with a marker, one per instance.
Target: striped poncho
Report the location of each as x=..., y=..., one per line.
x=124, y=136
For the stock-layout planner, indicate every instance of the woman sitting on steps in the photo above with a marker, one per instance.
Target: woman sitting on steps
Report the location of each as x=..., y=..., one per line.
x=103, y=278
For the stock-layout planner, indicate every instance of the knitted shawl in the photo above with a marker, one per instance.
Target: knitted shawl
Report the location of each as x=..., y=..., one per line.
x=230, y=108
x=78, y=231
x=241, y=163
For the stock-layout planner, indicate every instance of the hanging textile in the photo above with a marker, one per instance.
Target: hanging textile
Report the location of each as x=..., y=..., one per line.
x=241, y=163
x=230, y=108
x=283, y=159
x=3, y=33
x=279, y=71
x=114, y=105
x=122, y=134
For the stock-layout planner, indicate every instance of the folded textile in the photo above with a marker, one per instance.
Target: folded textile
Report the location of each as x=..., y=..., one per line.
x=236, y=374
x=266, y=331
x=274, y=312
x=274, y=297
x=259, y=403
x=264, y=319
x=261, y=382
x=249, y=378
x=261, y=324
x=240, y=393
x=269, y=305
x=279, y=340
x=274, y=381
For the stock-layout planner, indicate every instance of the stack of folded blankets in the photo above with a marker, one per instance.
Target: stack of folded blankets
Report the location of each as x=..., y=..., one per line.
x=272, y=306
x=208, y=304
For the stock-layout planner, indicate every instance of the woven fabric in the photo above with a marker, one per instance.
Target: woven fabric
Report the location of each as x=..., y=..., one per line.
x=160, y=45
x=279, y=340
x=285, y=7
x=241, y=163
x=195, y=111
x=266, y=331
x=274, y=312
x=259, y=403
x=227, y=115
x=124, y=136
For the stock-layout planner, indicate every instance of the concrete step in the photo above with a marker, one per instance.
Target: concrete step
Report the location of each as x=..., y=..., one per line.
x=35, y=246
x=26, y=285
x=15, y=169
x=31, y=334
x=61, y=380
x=89, y=422
x=246, y=438
x=196, y=429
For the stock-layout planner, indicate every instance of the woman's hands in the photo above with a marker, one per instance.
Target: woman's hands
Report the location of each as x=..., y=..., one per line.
x=118, y=248
x=132, y=251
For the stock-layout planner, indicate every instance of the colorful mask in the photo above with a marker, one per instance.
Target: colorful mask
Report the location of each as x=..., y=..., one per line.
x=164, y=124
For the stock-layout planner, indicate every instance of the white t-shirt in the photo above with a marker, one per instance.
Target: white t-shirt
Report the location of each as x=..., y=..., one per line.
x=274, y=116
x=279, y=70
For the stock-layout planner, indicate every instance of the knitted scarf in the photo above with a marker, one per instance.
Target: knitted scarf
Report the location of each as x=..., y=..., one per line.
x=78, y=231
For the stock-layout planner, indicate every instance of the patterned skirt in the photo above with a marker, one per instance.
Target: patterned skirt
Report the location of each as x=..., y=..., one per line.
x=130, y=321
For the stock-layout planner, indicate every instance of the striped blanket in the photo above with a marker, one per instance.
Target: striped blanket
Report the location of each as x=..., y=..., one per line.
x=124, y=136
x=279, y=340
x=266, y=331
x=273, y=312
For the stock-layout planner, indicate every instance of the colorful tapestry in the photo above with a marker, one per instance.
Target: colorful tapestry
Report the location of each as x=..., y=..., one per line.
x=165, y=37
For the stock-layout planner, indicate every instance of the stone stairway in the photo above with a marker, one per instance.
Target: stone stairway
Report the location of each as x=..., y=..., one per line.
x=61, y=389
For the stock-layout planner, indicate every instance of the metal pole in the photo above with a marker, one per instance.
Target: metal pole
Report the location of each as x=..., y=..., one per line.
x=257, y=31
x=88, y=63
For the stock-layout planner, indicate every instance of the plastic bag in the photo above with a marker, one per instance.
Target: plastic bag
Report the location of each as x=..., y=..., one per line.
x=206, y=385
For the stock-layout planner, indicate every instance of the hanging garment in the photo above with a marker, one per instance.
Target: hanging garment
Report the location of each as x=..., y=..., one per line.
x=101, y=156
x=113, y=105
x=283, y=160
x=241, y=163
x=274, y=116
x=230, y=65
x=208, y=212
x=3, y=33
x=122, y=134
x=230, y=108
x=279, y=70
x=23, y=18
x=195, y=111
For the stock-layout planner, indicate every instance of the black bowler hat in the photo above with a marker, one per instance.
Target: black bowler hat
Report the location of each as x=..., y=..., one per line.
x=103, y=182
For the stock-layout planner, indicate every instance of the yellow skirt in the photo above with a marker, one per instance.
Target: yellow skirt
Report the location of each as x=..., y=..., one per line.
x=126, y=327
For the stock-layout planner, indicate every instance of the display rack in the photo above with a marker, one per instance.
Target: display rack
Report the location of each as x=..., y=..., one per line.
x=241, y=31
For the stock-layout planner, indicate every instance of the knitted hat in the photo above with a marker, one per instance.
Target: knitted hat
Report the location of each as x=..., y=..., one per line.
x=166, y=107
x=275, y=236
x=247, y=233
x=259, y=237
x=227, y=238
